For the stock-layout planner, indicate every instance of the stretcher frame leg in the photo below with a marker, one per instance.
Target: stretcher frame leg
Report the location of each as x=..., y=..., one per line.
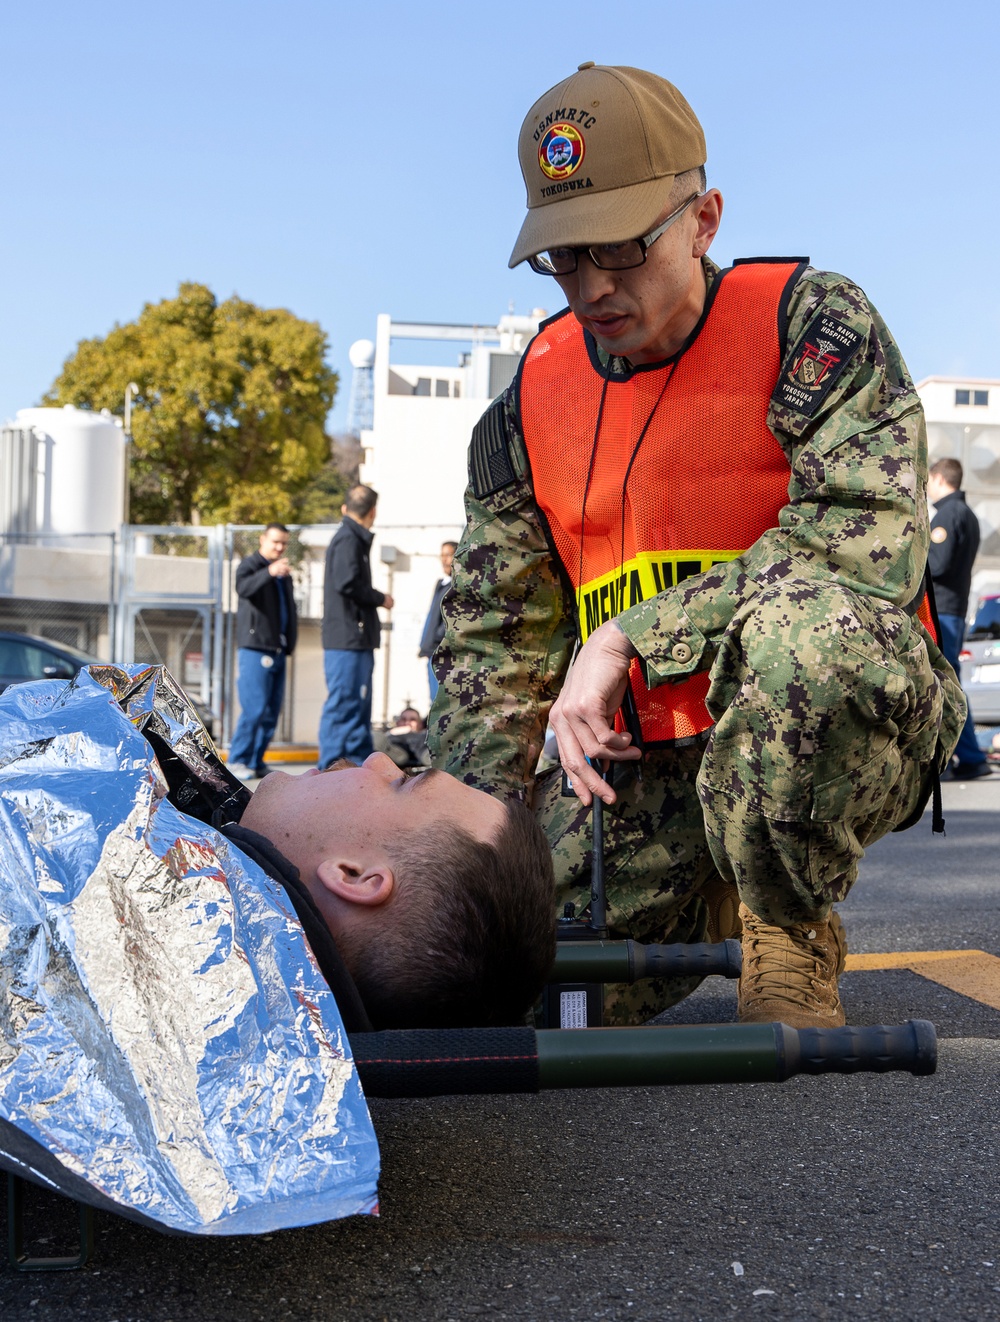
x=16, y=1255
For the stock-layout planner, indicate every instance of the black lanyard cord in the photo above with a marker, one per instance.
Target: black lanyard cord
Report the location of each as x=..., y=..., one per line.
x=583, y=508
x=635, y=452
x=628, y=473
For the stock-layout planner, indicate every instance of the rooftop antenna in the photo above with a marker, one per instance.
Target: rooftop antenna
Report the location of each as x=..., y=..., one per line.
x=360, y=408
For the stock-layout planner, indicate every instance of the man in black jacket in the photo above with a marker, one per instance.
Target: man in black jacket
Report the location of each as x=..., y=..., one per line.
x=950, y=557
x=350, y=633
x=266, y=629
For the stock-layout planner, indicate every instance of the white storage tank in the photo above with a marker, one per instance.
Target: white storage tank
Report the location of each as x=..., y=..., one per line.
x=79, y=470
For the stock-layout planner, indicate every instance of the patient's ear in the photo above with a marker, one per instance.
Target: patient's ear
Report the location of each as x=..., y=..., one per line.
x=357, y=885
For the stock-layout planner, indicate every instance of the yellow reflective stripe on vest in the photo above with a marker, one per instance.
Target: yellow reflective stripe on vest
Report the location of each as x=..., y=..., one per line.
x=646, y=575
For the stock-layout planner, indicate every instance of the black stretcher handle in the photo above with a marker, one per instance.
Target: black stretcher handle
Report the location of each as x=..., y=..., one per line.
x=911, y=1046
x=435, y=1062
x=630, y=961
x=699, y=959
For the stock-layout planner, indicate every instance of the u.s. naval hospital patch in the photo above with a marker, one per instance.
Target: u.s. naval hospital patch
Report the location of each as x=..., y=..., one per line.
x=812, y=369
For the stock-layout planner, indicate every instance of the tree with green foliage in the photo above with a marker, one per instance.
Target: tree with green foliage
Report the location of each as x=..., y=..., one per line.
x=320, y=502
x=323, y=497
x=228, y=424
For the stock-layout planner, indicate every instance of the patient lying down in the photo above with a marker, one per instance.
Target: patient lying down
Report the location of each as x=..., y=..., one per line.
x=439, y=898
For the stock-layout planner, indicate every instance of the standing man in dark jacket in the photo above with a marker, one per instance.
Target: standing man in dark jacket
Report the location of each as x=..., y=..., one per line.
x=434, y=624
x=350, y=633
x=950, y=557
x=266, y=629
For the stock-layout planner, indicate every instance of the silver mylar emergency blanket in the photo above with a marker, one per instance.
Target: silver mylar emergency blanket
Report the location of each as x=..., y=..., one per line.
x=165, y=1033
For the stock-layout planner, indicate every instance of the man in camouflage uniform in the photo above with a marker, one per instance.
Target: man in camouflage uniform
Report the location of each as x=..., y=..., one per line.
x=831, y=706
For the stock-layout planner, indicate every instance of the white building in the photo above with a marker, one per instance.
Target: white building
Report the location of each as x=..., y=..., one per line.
x=963, y=422
x=416, y=458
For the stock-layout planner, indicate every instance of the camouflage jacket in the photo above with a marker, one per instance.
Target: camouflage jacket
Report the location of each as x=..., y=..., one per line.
x=856, y=513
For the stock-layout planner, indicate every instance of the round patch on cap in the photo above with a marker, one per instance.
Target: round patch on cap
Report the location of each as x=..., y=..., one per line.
x=560, y=152
x=939, y=535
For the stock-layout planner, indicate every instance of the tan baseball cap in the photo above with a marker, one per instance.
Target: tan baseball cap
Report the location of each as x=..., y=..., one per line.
x=599, y=153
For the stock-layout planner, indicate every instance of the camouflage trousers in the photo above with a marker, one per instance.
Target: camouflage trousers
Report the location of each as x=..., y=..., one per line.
x=830, y=711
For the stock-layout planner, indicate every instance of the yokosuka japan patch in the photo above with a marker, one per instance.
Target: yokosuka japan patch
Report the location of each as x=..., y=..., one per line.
x=812, y=369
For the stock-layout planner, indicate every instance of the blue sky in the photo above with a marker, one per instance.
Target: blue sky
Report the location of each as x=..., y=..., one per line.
x=343, y=161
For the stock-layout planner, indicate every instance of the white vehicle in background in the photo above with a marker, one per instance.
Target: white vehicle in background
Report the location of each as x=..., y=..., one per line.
x=980, y=658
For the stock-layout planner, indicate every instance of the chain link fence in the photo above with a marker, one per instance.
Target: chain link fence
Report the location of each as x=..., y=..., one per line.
x=166, y=596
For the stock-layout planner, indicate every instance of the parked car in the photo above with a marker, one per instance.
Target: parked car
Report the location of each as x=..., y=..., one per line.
x=980, y=658
x=24, y=656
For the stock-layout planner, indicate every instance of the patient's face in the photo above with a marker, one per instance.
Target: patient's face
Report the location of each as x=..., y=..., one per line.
x=363, y=809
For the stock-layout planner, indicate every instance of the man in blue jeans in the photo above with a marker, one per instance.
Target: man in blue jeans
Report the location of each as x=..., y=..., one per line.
x=953, y=547
x=351, y=631
x=266, y=628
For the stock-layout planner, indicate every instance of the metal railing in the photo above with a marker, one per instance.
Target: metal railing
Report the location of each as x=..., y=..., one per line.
x=160, y=594
x=173, y=578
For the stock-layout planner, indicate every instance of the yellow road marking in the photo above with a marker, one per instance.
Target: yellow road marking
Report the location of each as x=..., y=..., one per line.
x=972, y=973
x=903, y=959
x=304, y=753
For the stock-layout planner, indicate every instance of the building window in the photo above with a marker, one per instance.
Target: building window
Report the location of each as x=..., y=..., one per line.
x=977, y=398
x=441, y=389
x=423, y=386
x=457, y=392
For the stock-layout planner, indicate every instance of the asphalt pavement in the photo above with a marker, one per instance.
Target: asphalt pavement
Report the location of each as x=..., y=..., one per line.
x=835, y=1197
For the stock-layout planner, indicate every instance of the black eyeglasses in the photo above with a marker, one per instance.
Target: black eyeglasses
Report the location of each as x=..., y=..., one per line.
x=607, y=256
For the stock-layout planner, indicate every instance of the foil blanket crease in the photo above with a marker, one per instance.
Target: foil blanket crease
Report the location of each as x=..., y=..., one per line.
x=165, y=1033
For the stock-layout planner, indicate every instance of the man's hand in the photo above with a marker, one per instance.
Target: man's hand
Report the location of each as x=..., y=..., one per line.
x=583, y=714
x=279, y=568
x=388, y=602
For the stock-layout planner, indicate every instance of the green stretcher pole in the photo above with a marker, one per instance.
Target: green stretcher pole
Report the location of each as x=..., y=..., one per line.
x=728, y=1053
x=437, y=1062
x=630, y=961
x=632, y=1057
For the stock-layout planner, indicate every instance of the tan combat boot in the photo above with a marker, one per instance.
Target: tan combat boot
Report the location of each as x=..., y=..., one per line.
x=790, y=973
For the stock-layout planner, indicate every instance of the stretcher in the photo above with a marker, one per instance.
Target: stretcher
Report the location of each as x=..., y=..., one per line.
x=170, y=1050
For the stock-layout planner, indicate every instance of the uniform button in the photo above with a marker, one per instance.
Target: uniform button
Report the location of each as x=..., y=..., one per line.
x=587, y=64
x=681, y=653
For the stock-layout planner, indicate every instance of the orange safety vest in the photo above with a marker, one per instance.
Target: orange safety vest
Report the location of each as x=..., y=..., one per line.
x=706, y=481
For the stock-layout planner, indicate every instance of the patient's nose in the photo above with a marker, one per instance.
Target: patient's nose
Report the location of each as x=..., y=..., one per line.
x=382, y=766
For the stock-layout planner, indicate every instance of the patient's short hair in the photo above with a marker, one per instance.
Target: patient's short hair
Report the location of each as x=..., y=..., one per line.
x=473, y=936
